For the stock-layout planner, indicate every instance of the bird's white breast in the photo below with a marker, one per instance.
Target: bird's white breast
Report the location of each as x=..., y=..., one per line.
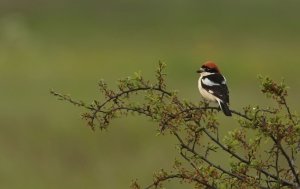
x=208, y=95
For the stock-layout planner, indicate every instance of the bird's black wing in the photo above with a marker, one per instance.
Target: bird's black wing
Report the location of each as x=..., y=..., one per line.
x=216, y=85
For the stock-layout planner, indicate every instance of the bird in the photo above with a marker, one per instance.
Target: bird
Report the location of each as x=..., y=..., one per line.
x=212, y=86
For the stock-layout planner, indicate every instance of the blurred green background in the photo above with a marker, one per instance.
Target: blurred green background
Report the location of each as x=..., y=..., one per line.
x=71, y=45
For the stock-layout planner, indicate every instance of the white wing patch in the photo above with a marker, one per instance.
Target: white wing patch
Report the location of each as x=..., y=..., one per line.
x=224, y=81
x=210, y=91
x=209, y=82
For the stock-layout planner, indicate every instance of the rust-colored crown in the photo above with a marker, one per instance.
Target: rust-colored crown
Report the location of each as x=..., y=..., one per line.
x=212, y=65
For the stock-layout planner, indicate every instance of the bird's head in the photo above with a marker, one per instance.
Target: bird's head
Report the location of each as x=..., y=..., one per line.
x=209, y=67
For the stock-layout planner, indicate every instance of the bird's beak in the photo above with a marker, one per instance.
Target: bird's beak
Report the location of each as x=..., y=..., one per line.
x=200, y=70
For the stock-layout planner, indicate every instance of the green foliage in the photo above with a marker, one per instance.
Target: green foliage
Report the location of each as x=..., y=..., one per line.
x=265, y=136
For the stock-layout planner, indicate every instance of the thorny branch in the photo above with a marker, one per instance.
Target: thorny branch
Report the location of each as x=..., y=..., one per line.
x=195, y=127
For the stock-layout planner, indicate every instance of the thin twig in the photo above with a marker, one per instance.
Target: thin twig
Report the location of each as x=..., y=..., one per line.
x=288, y=110
x=180, y=176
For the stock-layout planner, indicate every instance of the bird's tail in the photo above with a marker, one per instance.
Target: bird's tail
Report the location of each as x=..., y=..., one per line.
x=224, y=107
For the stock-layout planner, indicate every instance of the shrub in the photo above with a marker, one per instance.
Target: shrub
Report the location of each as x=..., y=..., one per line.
x=263, y=138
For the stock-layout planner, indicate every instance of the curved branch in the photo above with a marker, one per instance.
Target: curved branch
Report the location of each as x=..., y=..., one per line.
x=289, y=161
x=284, y=182
x=184, y=146
x=132, y=91
x=180, y=176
